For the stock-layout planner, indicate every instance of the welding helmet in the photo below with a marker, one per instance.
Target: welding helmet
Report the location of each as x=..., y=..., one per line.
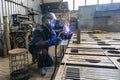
x=49, y=19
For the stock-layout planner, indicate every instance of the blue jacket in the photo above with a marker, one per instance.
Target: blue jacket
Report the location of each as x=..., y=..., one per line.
x=41, y=35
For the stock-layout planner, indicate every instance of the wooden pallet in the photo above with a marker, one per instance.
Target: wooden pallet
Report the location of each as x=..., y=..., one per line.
x=66, y=72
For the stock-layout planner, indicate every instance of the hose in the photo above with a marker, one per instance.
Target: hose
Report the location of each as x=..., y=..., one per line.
x=55, y=65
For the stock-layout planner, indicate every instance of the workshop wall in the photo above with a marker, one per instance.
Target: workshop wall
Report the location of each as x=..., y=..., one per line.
x=35, y=4
x=86, y=15
x=102, y=17
x=49, y=1
x=10, y=8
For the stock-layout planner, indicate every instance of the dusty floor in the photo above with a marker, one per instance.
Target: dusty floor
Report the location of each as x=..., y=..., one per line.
x=86, y=40
x=5, y=70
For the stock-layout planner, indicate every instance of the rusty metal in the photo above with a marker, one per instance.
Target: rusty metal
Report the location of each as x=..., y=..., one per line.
x=20, y=74
x=18, y=62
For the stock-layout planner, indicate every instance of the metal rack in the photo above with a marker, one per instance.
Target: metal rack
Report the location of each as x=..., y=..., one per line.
x=18, y=61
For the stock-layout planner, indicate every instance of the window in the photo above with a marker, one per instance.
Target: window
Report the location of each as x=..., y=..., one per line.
x=91, y=2
x=70, y=4
x=115, y=1
x=88, y=2
x=79, y=3
x=104, y=1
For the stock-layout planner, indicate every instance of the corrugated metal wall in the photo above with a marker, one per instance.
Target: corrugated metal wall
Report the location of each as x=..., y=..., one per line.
x=8, y=8
x=35, y=4
x=101, y=17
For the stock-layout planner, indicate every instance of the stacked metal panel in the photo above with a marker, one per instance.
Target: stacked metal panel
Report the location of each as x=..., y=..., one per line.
x=95, y=58
x=86, y=73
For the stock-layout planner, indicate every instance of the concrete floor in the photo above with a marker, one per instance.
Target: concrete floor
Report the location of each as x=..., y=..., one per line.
x=4, y=62
x=5, y=70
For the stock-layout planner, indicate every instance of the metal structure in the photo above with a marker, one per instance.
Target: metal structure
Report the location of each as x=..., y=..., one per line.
x=67, y=72
x=92, y=59
x=18, y=61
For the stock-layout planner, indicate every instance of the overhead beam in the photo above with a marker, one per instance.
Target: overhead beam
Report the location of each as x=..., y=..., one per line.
x=42, y=1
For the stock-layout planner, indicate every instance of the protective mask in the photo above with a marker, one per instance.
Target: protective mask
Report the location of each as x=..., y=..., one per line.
x=52, y=23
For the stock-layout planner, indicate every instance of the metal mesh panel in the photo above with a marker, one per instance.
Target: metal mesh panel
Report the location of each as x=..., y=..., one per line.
x=86, y=73
x=72, y=73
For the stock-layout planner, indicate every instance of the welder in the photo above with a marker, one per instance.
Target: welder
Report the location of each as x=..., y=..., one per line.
x=67, y=31
x=43, y=37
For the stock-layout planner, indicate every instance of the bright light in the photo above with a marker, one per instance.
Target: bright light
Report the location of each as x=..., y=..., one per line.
x=70, y=4
x=115, y=1
x=79, y=3
x=91, y=2
x=67, y=28
x=104, y=1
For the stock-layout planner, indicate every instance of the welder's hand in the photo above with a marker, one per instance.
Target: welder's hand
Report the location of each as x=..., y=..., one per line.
x=50, y=42
x=57, y=41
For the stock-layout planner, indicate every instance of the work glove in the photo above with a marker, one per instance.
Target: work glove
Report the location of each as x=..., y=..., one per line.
x=57, y=41
x=50, y=42
x=54, y=41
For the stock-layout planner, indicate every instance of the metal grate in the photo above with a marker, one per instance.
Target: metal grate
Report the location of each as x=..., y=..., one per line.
x=109, y=48
x=104, y=44
x=118, y=60
x=87, y=73
x=83, y=40
x=72, y=74
x=108, y=37
x=97, y=39
x=74, y=50
x=113, y=52
x=94, y=37
x=101, y=42
x=117, y=39
x=92, y=61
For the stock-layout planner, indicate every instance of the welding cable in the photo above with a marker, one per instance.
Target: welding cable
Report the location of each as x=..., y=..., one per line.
x=60, y=34
x=55, y=64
